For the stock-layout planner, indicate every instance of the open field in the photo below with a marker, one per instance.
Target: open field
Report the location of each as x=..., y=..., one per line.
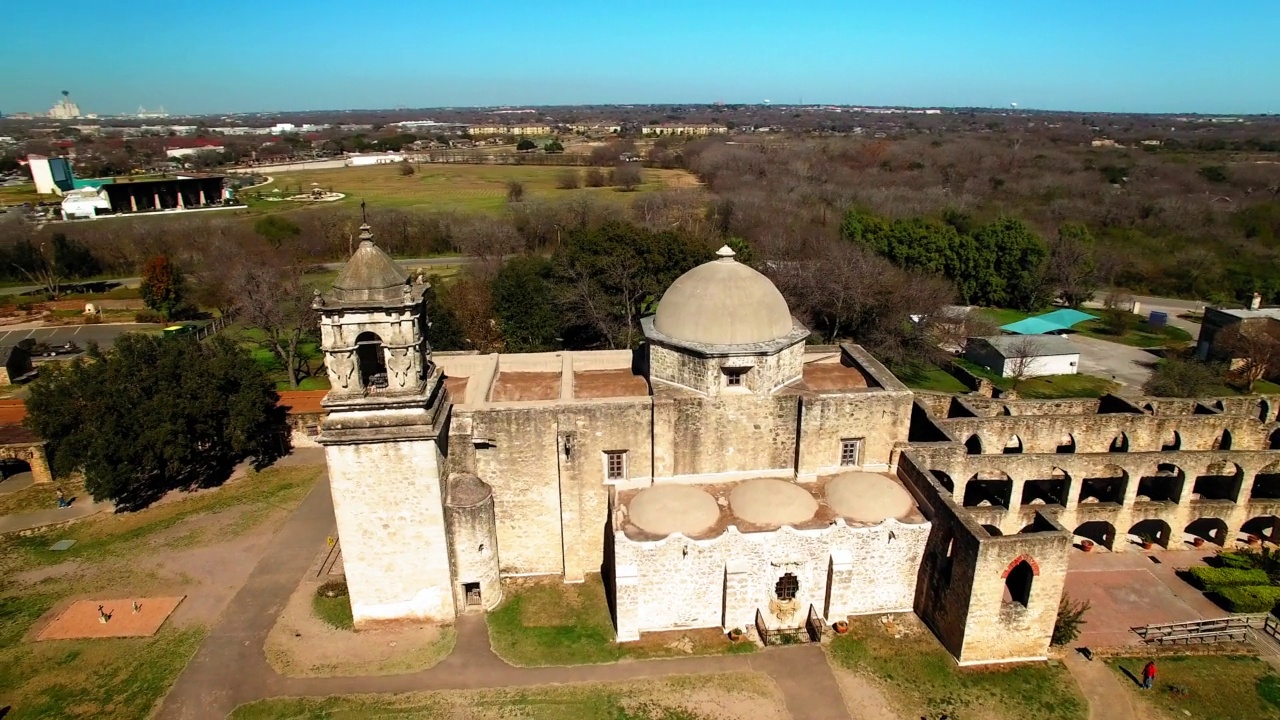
x=442, y=187
x=1223, y=687
x=729, y=696
x=200, y=545
x=922, y=680
x=18, y=194
x=550, y=623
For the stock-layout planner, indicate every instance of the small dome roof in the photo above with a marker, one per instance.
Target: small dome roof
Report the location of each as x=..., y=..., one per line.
x=467, y=490
x=723, y=302
x=370, y=274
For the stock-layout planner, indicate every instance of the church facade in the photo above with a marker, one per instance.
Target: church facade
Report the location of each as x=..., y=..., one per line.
x=723, y=475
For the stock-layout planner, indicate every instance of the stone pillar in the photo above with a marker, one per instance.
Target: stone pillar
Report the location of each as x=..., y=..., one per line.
x=133, y=202
x=182, y=203
x=39, y=465
x=203, y=202
x=739, y=606
x=157, y=200
x=626, y=579
x=840, y=586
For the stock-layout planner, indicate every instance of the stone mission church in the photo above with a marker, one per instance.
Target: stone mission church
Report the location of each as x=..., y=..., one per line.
x=722, y=475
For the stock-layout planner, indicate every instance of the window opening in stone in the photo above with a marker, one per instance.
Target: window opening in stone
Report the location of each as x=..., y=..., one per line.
x=1224, y=441
x=1066, y=445
x=1172, y=443
x=373, y=368
x=1013, y=446
x=472, y=591
x=1017, y=584
x=973, y=445
x=1164, y=486
x=1120, y=444
x=616, y=464
x=1266, y=484
x=849, y=451
x=734, y=377
x=787, y=587
x=1273, y=442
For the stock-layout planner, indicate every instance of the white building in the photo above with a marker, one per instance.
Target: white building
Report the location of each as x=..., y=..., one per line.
x=85, y=203
x=186, y=151
x=1024, y=356
x=51, y=175
x=374, y=159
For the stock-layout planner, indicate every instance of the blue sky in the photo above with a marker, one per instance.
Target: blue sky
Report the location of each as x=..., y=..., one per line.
x=234, y=55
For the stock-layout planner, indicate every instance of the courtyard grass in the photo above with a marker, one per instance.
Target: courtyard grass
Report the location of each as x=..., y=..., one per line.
x=924, y=680
x=333, y=611
x=1223, y=687
x=1046, y=387
x=727, y=696
x=448, y=187
x=923, y=376
x=116, y=678
x=552, y=623
x=40, y=496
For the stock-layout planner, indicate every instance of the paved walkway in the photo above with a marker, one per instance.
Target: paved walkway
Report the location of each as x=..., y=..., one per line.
x=230, y=668
x=1107, y=698
x=84, y=506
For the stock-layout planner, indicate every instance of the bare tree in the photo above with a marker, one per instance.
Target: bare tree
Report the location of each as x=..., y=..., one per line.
x=1020, y=359
x=1254, y=349
x=626, y=176
x=270, y=295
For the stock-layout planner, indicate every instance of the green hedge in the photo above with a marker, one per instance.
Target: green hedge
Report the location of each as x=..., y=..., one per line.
x=1211, y=578
x=1249, y=598
x=1238, y=559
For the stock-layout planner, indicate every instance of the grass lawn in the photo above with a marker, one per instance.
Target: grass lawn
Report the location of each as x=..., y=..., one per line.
x=445, y=187
x=334, y=611
x=117, y=556
x=1140, y=335
x=924, y=680
x=1223, y=687
x=551, y=623
x=25, y=193
x=1048, y=387
x=929, y=377
x=40, y=496
x=728, y=696
x=254, y=340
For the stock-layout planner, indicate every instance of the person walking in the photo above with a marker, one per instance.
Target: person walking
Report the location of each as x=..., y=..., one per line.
x=1148, y=675
x=62, y=499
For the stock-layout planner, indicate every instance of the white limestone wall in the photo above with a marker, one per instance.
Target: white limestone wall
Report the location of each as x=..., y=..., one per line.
x=389, y=507
x=678, y=582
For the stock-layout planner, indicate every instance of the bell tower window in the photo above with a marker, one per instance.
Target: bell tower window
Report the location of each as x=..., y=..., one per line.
x=373, y=366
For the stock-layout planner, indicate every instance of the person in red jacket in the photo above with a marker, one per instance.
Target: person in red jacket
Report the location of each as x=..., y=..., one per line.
x=1148, y=675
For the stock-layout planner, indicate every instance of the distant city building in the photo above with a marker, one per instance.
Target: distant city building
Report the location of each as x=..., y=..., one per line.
x=184, y=147
x=374, y=159
x=85, y=203
x=145, y=114
x=526, y=129
x=684, y=129
x=52, y=176
x=64, y=109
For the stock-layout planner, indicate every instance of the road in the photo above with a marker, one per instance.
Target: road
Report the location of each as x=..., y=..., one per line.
x=82, y=335
x=288, y=167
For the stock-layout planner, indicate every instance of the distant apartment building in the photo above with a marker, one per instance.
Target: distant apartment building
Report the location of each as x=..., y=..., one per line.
x=374, y=159
x=184, y=147
x=596, y=128
x=524, y=129
x=684, y=129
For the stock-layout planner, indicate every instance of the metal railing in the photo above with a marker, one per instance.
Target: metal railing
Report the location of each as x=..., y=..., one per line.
x=1233, y=628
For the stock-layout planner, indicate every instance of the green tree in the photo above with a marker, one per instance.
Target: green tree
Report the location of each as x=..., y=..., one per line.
x=524, y=302
x=526, y=145
x=445, y=332
x=1179, y=376
x=553, y=147
x=1070, y=619
x=276, y=229
x=742, y=250
x=607, y=277
x=1019, y=261
x=154, y=414
x=162, y=287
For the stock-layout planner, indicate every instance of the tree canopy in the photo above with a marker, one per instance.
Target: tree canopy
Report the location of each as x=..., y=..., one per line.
x=524, y=302
x=154, y=414
x=162, y=286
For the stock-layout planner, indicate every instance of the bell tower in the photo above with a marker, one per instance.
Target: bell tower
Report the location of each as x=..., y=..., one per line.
x=384, y=439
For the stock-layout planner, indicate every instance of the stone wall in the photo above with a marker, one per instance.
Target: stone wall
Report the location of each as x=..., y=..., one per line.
x=1095, y=433
x=677, y=582
x=404, y=349
x=698, y=439
x=879, y=419
x=705, y=375
x=388, y=502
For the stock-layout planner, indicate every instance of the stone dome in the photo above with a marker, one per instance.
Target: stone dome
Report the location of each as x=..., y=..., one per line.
x=370, y=274
x=723, y=302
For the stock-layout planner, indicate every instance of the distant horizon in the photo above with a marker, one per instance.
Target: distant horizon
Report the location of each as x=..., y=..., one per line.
x=1089, y=56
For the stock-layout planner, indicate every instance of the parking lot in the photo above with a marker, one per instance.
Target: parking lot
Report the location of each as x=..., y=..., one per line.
x=82, y=335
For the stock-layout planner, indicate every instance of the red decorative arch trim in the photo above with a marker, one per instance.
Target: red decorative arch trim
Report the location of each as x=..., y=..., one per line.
x=1035, y=567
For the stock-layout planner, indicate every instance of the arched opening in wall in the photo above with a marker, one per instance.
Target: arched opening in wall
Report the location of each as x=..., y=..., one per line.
x=1220, y=481
x=1210, y=529
x=944, y=480
x=1266, y=484
x=1171, y=442
x=1006, y=411
x=1164, y=486
x=1100, y=532
x=1017, y=584
x=1119, y=444
x=14, y=468
x=1263, y=528
x=787, y=587
x=973, y=445
x=1264, y=410
x=1049, y=491
x=1273, y=442
x=373, y=365
x=1149, y=409
x=1038, y=525
x=1223, y=442
x=1066, y=444
x=1013, y=446
x=1153, y=531
x=992, y=530
x=1108, y=486
x=988, y=488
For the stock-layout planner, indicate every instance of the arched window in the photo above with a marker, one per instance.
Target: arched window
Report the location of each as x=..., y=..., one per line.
x=973, y=445
x=1017, y=584
x=373, y=367
x=787, y=587
x=1224, y=441
x=1120, y=444
x=1172, y=442
x=1066, y=444
x=1013, y=446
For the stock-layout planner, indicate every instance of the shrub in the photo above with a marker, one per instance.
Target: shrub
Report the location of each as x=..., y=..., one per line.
x=148, y=316
x=594, y=177
x=1248, y=598
x=1070, y=618
x=1211, y=578
x=1240, y=559
x=515, y=191
x=568, y=180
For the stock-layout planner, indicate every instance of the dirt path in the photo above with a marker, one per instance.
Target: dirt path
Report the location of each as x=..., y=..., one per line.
x=1107, y=698
x=231, y=669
